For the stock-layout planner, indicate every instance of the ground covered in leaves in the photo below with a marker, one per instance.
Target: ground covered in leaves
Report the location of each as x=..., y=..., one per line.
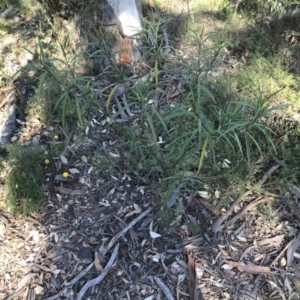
x=101, y=234
x=66, y=250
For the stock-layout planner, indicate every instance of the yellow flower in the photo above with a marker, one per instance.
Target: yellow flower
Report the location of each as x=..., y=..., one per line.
x=47, y=161
x=56, y=137
x=65, y=174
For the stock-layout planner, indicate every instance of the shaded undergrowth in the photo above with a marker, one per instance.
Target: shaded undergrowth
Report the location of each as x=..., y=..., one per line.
x=191, y=126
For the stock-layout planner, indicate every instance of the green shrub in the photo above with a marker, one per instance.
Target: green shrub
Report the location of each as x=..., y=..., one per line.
x=63, y=93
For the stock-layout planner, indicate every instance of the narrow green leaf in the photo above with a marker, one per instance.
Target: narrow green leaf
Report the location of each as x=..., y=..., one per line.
x=202, y=155
x=153, y=130
x=110, y=95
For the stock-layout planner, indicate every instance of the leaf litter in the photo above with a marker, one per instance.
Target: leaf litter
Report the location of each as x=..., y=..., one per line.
x=101, y=238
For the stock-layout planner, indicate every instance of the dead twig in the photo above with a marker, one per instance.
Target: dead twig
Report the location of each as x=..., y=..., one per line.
x=102, y=276
x=124, y=230
x=268, y=174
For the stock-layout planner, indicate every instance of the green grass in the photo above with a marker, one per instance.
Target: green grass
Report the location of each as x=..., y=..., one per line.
x=27, y=6
x=25, y=190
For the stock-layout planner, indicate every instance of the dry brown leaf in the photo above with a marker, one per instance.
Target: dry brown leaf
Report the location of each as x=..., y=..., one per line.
x=97, y=263
x=137, y=210
x=274, y=241
x=209, y=206
x=295, y=244
x=250, y=268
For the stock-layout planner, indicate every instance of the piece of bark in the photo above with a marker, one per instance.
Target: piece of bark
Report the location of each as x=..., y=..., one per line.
x=194, y=289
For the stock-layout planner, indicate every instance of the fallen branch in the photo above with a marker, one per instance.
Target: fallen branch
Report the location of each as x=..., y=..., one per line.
x=98, y=279
x=124, y=230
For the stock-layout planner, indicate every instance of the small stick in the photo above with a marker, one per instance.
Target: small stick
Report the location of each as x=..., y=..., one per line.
x=98, y=279
x=124, y=230
x=268, y=174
